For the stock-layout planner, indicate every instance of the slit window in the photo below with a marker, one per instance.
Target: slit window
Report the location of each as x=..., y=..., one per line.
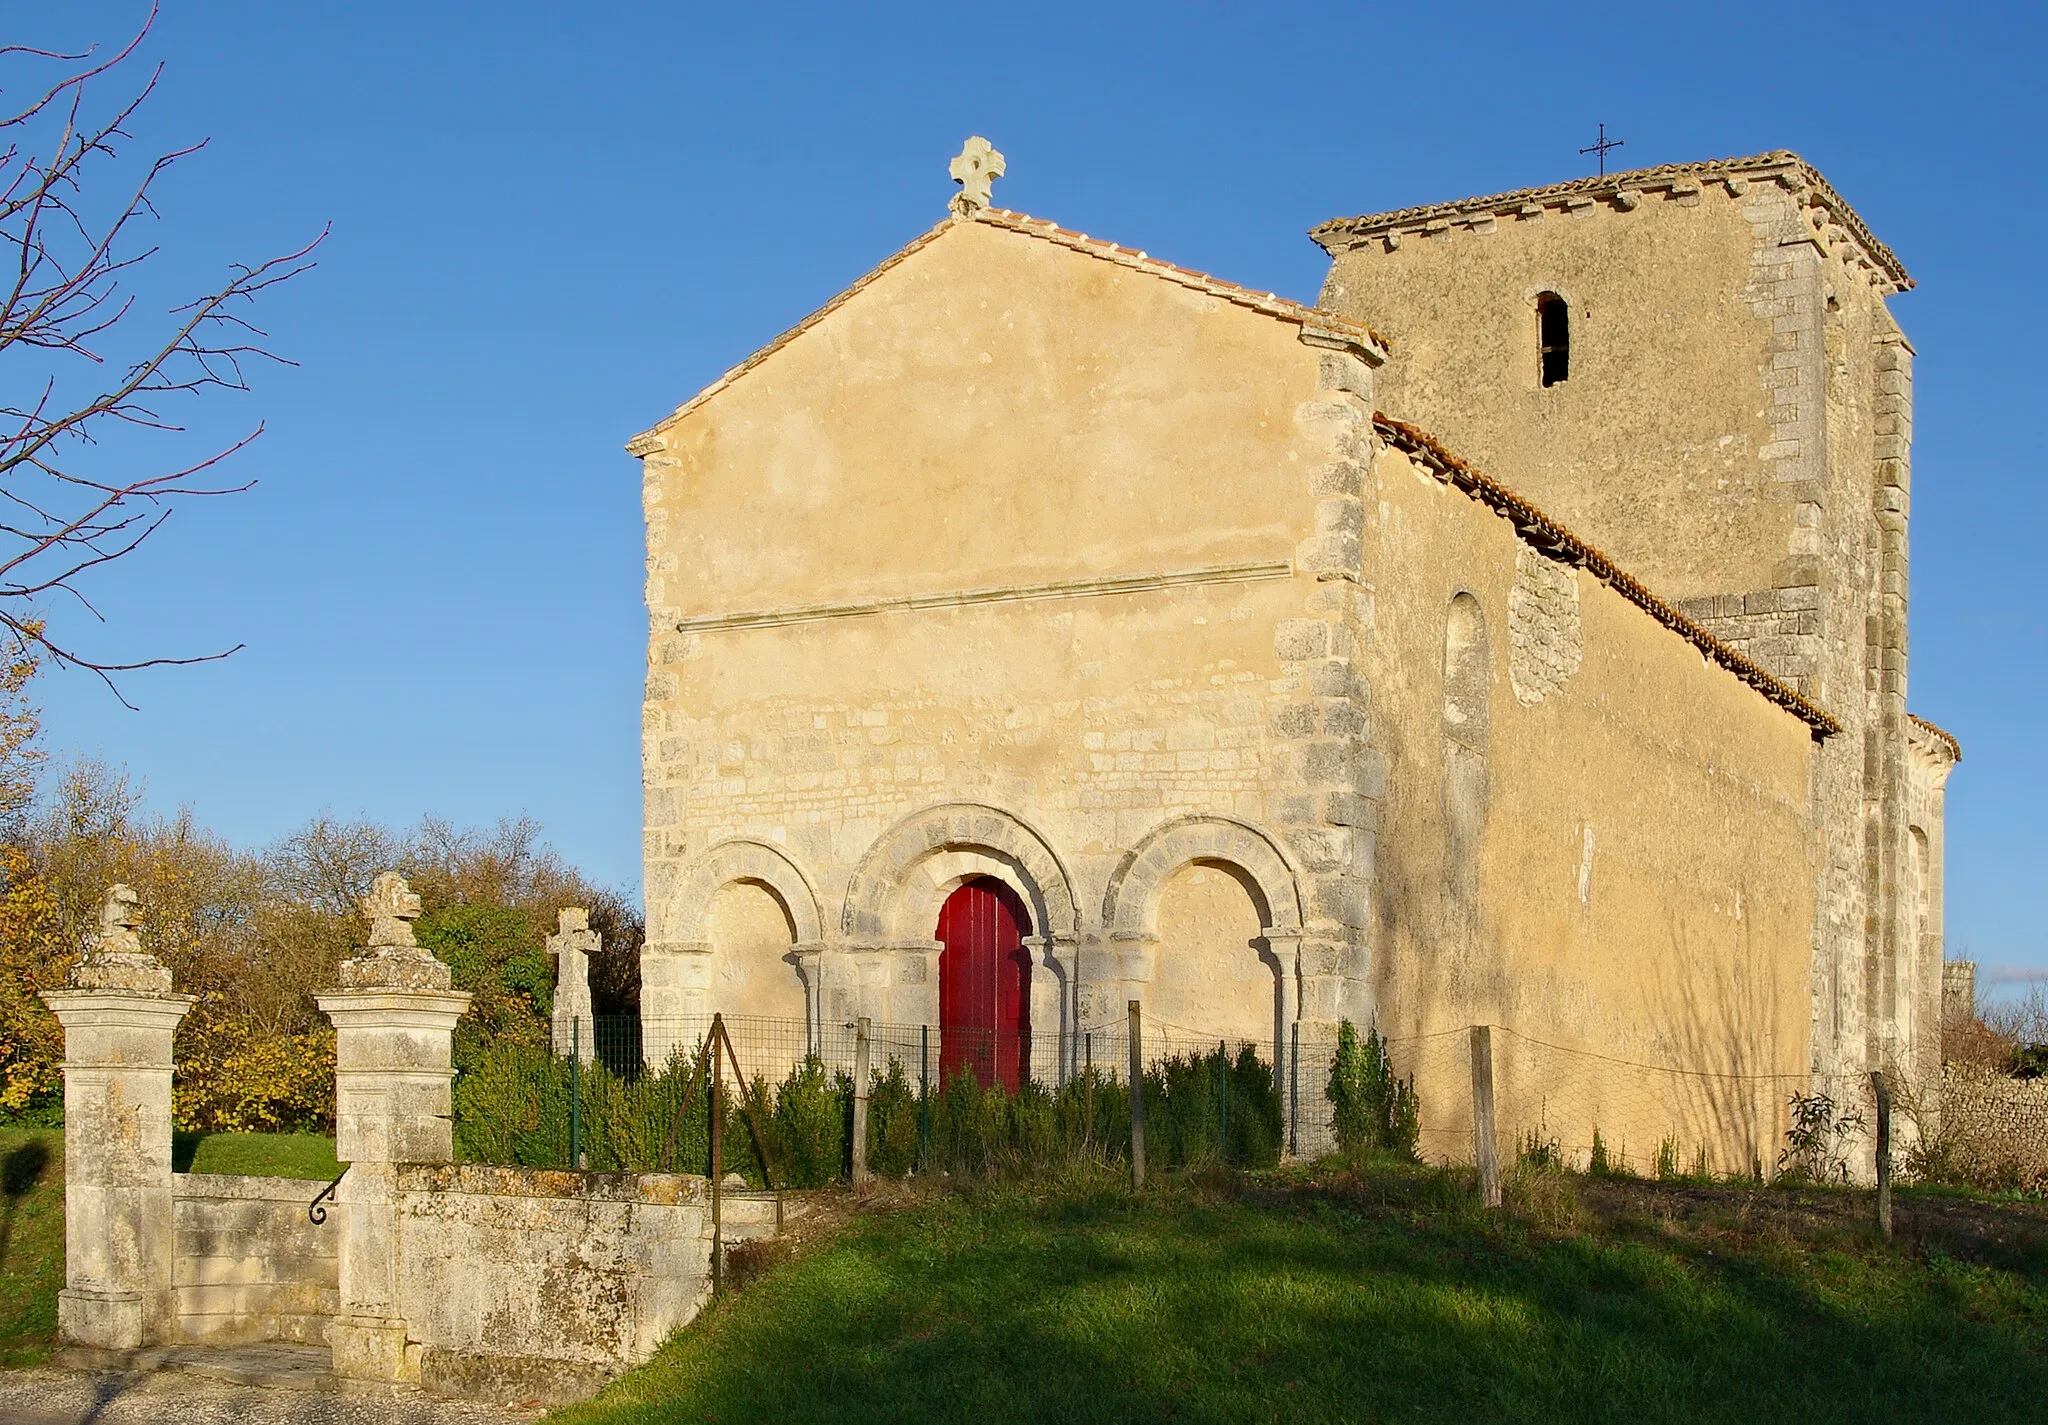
x=1553, y=338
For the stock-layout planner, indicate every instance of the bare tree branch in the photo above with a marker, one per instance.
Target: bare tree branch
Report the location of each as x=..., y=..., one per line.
x=64, y=314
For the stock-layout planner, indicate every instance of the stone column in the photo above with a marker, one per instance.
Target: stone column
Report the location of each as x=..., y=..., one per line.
x=1055, y=1008
x=1137, y=962
x=1285, y=947
x=903, y=985
x=119, y=1018
x=810, y=960
x=394, y=1022
x=572, y=945
x=1322, y=1008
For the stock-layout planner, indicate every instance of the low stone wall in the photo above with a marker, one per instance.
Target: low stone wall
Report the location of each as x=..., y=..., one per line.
x=504, y=1282
x=1993, y=1130
x=249, y=1264
x=530, y=1284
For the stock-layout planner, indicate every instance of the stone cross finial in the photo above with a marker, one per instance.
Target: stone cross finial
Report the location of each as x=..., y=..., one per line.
x=391, y=907
x=393, y=959
x=116, y=960
x=121, y=921
x=975, y=170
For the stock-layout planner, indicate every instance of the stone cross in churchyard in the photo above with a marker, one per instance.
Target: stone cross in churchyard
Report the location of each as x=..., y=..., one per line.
x=976, y=169
x=572, y=945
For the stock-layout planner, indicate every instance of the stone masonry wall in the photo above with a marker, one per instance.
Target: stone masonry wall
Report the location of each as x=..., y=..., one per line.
x=523, y=1283
x=250, y=1264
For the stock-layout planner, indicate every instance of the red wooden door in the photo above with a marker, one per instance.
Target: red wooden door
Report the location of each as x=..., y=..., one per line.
x=984, y=975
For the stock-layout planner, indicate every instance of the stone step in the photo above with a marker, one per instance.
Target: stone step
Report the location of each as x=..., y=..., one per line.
x=271, y=1365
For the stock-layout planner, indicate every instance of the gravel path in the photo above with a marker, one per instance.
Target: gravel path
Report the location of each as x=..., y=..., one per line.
x=59, y=1397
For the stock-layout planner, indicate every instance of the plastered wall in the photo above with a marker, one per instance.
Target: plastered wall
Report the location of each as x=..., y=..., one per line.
x=1642, y=882
x=1016, y=529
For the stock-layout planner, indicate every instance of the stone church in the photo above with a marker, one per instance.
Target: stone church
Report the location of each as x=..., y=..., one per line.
x=1515, y=637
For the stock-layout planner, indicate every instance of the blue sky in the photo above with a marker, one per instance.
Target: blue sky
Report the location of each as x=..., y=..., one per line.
x=553, y=223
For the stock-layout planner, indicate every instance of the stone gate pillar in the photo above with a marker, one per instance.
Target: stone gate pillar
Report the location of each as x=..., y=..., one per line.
x=394, y=1024
x=119, y=1018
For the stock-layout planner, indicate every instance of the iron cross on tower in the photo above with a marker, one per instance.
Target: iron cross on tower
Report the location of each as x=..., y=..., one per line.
x=1601, y=148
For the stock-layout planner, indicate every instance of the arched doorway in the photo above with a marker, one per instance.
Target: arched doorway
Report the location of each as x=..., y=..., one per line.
x=984, y=984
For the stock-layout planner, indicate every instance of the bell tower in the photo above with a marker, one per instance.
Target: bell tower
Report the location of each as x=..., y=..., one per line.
x=1694, y=367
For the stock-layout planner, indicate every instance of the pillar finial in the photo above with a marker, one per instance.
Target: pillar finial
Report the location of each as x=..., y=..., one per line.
x=116, y=960
x=393, y=959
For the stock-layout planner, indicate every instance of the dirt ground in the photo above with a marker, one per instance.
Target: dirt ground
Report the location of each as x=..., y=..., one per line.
x=2009, y=1235
x=60, y=1397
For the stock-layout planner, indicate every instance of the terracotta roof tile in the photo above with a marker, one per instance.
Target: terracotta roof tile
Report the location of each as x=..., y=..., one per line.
x=1944, y=737
x=1547, y=534
x=1338, y=234
x=1266, y=302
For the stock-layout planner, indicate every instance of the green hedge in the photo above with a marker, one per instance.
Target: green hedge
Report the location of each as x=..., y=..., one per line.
x=513, y=1106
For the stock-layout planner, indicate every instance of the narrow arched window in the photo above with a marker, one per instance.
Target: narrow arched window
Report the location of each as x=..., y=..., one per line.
x=1553, y=338
x=1468, y=672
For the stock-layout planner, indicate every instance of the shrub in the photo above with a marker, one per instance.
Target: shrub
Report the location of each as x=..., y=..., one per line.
x=810, y=1125
x=1817, y=1140
x=893, y=1122
x=233, y=1079
x=1376, y=1112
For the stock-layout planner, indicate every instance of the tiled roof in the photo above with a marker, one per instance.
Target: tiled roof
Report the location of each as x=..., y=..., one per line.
x=1338, y=234
x=1547, y=534
x=1944, y=737
x=1312, y=318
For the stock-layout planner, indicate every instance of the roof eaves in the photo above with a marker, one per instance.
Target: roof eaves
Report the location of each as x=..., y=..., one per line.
x=1542, y=532
x=1341, y=234
x=1939, y=735
x=1315, y=319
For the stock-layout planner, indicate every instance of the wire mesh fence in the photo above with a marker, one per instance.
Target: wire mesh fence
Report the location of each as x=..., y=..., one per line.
x=627, y=1094
x=1598, y=1112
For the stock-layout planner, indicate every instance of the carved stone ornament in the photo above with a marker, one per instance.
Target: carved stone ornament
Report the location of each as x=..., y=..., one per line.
x=976, y=169
x=116, y=960
x=394, y=959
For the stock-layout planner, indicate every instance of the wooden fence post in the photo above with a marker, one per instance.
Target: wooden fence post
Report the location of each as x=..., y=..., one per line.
x=1484, y=1150
x=1884, y=1153
x=717, y=1126
x=1137, y=1097
x=860, y=1101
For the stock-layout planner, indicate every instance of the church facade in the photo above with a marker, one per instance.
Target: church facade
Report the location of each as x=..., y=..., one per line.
x=1516, y=637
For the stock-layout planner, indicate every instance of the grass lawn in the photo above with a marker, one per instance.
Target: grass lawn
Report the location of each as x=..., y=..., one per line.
x=256, y=1155
x=32, y=1214
x=31, y=1242
x=1383, y=1295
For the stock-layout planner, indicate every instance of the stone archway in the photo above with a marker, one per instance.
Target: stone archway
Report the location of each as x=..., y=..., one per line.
x=896, y=891
x=681, y=978
x=743, y=860
x=1131, y=904
x=1200, y=983
x=890, y=920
